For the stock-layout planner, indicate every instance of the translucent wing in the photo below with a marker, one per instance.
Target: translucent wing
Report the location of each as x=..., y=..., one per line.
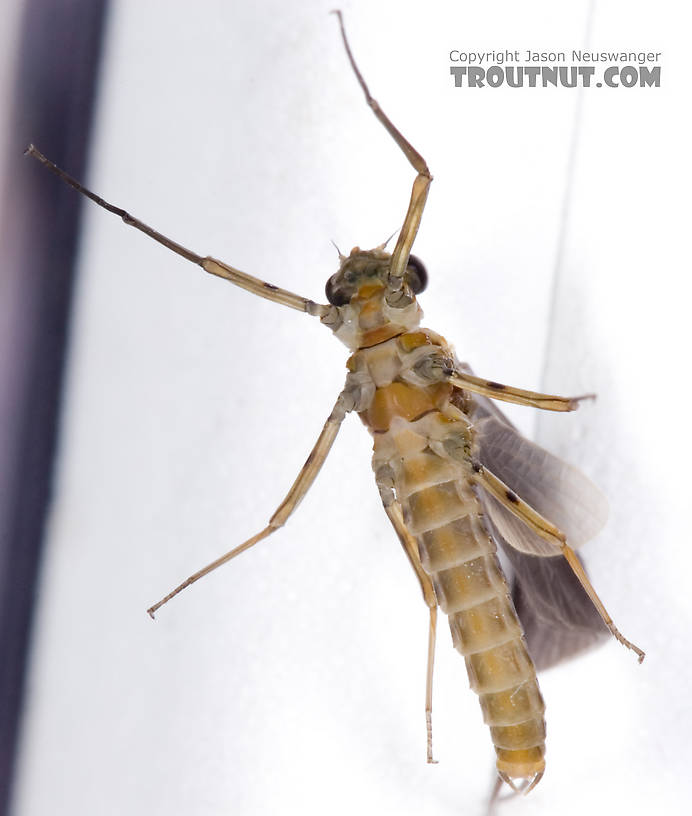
x=557, y=615
x=556, y=489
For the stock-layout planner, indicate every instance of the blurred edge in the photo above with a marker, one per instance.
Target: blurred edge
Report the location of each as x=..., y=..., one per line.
x=52, y=102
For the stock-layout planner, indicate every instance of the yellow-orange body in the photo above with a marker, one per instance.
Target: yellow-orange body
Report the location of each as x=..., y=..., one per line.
x=424, y=454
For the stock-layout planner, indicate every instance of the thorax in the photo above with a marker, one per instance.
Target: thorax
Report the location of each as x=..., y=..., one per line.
x=401, y=391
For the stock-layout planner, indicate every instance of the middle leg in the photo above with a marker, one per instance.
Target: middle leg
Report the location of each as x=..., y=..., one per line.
x=308, y=473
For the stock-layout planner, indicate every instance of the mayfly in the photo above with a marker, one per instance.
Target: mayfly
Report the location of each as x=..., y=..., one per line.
x=454, y=476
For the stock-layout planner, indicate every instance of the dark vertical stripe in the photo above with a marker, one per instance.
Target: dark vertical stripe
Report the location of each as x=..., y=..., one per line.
x=53, y=104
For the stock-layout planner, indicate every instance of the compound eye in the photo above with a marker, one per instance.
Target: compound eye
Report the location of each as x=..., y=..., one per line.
x=336, y=297
x=416, y=276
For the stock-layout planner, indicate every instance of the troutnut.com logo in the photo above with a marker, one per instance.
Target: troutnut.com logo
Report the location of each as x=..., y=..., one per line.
x=557, y=69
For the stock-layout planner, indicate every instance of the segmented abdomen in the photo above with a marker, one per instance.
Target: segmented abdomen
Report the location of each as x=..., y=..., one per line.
x=443, y=512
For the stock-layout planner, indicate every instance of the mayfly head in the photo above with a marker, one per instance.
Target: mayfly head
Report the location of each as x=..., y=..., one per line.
x=370, y=310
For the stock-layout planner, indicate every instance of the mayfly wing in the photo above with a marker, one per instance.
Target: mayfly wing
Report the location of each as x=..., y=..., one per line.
x=558, y=491
x=557, y=615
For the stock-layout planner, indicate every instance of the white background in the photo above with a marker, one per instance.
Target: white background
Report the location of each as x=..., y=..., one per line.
x=292, y=681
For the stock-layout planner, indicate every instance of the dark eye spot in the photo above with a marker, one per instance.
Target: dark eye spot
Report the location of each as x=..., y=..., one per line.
x=416, y=276
x=336, y=297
